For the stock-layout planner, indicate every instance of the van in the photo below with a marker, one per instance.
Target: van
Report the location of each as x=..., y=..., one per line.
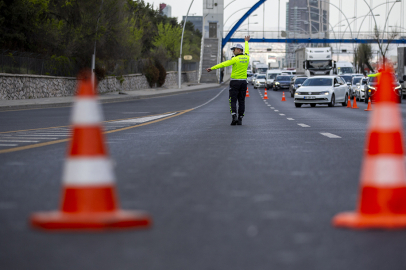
x=271, y=76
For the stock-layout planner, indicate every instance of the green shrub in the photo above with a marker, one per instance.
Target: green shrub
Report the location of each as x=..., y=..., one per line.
x=162, y=73
x=151, y=72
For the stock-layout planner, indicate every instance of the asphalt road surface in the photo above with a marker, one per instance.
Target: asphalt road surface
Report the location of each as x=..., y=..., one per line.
x=256, y=196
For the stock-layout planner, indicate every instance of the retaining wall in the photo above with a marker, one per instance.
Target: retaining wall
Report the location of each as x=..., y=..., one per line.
x=16, y=86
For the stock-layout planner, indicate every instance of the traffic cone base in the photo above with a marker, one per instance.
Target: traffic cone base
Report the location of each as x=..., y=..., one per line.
x=92, y=221
x=362, y=221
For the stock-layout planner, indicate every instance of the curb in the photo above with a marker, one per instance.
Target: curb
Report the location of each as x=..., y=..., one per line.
x=102, y=101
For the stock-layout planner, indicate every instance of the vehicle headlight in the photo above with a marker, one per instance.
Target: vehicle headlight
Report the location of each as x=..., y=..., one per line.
x=276, y=82
x=324, y=93
x=298, y=93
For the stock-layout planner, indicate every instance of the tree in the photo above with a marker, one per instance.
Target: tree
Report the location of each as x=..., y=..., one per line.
x=390, y=36
x=363, y=56
x=169, y=38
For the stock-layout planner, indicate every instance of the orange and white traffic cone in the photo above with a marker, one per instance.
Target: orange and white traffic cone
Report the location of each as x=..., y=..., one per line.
x=354, y=104
x=89, y=200
x=349, y=102
x=266, y=94
x=382, y=202
x=369, y=108
x=247, y=94
x=283, y=96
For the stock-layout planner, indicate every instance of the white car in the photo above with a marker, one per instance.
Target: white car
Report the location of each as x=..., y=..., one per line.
x=360, y=89
x=322, y=90
x=260, y=81
x=253, y=78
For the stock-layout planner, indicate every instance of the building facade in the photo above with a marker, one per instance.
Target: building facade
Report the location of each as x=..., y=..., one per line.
x=196, y=20
x=213, y=15
x=165, y=9
x=305, y=19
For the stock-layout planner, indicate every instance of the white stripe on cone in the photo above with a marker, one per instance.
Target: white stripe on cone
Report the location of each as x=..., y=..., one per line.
x=384, y=171
x=385, y=117
x=86, y=111
x=88, y=171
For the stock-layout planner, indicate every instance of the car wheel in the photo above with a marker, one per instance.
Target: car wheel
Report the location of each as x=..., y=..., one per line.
x=312, y=105
x=255, y=87
x=332, y=102
x=403, y=96
x=298, y=105
x=345, y=101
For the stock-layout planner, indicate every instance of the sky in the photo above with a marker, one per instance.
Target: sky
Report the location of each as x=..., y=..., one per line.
x=270, y=23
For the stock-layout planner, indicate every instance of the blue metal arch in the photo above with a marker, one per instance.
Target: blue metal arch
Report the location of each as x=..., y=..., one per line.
x=243, y=18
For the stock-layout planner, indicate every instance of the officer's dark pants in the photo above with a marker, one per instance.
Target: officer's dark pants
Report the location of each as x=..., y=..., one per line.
x=238, y=90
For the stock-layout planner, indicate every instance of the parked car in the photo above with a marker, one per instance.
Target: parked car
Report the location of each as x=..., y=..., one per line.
x=322, y=90
x=282, y=82
x=259, y=81
x=254, y=77
x=370, y=89
x=296, y=82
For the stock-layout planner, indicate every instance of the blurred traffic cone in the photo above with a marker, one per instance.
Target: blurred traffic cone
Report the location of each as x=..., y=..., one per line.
x=382, y=202
x=354, y=104
x=283, y=96
x=369, y=108
x=248, y=93
x=89, y=200
x=349, y=102
x=266, y=94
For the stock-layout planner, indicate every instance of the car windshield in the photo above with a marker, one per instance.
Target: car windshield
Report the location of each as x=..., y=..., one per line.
x=318, y=82
x=283, y=78
x=261, y=77
x=249, y=74
x=347, y=78
x=345, y=70
x=356, y=80
x=272, y=76
x=262, y=70
x=300, y=80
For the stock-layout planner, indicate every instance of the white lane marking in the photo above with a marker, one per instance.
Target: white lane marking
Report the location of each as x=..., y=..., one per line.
x=330, y=135
x=281, y=114
x=272, y=107
x=27, y=138
x=276, y=110
x=2, y=144
x=210, y=99
x=303, y=125
x=17, y=141
x=144, y=119
x=290, y=119
x=269, y=105
x=44, y=135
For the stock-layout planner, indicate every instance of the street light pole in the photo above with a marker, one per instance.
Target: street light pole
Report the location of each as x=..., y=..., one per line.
x=93, y=78
x=181, y=44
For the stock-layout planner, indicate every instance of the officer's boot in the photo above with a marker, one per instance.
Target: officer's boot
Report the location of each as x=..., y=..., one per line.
x=239, y=121
x=234, y=121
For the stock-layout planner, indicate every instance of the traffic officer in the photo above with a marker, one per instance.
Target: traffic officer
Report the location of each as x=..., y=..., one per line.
x=238, y=81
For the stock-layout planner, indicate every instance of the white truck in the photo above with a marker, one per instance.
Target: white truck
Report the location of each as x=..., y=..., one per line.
x=261, y=68
x=313, y=61
x=344, y=67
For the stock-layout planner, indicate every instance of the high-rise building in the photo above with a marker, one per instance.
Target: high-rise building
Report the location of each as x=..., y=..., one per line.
x=305, y=19
x=165, y=9
x=196, y=20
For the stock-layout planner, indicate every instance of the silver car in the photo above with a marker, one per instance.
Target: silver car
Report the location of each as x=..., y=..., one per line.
x=260, y=81
x=322, y=90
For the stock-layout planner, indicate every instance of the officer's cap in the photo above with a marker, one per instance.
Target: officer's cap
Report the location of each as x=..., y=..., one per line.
x=238, y=46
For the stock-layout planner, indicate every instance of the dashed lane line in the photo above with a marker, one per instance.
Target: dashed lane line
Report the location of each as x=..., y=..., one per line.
x=2, y=144
x=303, y=125
x=330, y=135
x=281, y=114
x=290, y=119
x=276, y=110
x=19, y=141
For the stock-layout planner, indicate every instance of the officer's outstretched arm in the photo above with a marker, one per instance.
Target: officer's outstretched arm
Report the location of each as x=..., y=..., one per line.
x=225, y=64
